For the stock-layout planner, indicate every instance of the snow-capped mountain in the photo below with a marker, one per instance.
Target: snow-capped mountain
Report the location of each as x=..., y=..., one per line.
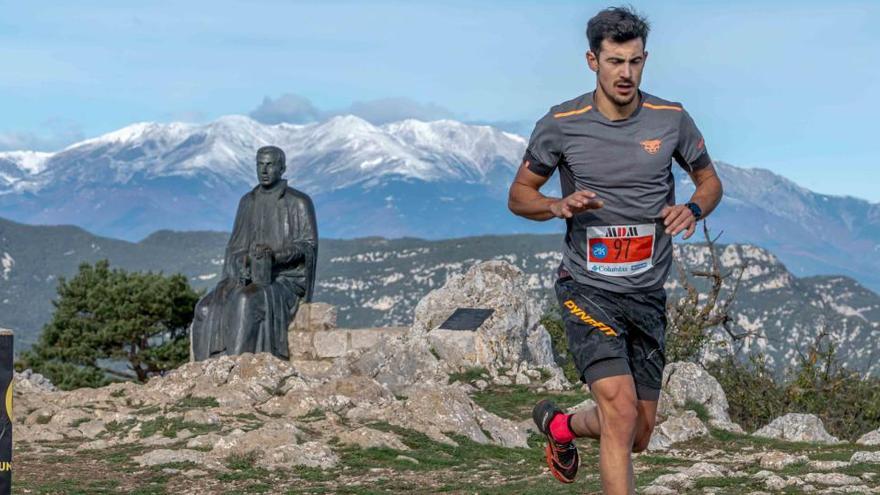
x=425, y=179
x=335, y=154
x=148, y=176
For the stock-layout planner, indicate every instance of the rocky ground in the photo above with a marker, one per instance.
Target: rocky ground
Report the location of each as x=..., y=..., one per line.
x=427, y=411
x=194, y=445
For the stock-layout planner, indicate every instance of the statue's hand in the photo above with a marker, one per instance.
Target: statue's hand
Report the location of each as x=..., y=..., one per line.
x=262, y=251
x=242, y=269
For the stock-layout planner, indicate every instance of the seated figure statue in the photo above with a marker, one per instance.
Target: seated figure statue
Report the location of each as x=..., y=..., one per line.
x=268, y=269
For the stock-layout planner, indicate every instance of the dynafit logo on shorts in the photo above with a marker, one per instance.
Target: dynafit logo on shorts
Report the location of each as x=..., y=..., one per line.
x=652, y=146
x=589, y=320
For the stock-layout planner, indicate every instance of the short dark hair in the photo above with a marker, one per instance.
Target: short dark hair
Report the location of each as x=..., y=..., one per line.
x=273, y=150
x=618, y=24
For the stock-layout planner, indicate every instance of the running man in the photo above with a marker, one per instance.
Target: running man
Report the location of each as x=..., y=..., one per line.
x=614, y=148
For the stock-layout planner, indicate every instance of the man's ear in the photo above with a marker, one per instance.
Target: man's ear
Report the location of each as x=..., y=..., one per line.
x=593, y=61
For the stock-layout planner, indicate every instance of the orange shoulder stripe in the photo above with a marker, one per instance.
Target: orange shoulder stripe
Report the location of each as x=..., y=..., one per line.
x=661, y=107
x=573, y=112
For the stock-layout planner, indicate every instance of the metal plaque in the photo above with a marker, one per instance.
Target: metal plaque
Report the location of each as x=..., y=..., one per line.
x=467, y=319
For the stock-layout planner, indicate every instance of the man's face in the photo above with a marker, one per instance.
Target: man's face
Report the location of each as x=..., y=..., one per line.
x=269, y=169
x=618, y=69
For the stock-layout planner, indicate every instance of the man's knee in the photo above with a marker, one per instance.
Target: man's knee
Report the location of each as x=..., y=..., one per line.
x=620, y=411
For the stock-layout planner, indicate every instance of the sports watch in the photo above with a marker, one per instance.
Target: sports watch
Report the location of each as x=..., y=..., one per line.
x=695, y=209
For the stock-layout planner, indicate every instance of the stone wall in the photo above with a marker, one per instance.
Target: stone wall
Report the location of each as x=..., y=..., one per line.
x=313, y=334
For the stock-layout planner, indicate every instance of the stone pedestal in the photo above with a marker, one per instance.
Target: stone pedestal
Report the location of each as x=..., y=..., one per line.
x=313, y=335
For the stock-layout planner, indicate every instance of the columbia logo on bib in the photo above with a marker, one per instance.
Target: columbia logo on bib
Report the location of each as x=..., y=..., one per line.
x=620, y=250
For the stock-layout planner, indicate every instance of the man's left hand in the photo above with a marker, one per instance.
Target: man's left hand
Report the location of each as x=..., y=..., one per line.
x=677, y=218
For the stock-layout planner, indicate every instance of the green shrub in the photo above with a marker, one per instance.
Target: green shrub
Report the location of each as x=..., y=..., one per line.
x=847, y=404
x=556, y=328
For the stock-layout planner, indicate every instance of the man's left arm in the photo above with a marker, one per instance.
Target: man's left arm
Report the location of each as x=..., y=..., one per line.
x=691, y=154
x=707, y=195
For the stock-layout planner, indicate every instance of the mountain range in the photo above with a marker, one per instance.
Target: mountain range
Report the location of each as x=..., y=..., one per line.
x=431, y=180
x=377, y=282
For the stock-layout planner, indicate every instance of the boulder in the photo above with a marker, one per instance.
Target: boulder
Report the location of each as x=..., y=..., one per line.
x=685, y=382
x=831, y=479
x=168, y=456
x=865, y=457
x=29, y=382
x=397, y=363
x=870, y=438
x=511, y=335
x=795, y=427
x=680, y=428
x=367, y=438
x=779, y=460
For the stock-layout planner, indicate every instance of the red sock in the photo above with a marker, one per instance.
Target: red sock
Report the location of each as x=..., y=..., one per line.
x=559, y=429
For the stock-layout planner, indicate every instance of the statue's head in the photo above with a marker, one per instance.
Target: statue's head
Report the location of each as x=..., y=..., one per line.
x=270, y=165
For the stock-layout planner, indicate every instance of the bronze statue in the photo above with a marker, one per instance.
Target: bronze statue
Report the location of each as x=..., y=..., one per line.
x=268, y=270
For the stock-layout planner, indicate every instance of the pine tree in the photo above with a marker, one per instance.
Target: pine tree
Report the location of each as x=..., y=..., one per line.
x=107, y=316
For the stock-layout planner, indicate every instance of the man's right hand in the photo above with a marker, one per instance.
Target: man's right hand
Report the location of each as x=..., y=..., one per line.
x=574, y=203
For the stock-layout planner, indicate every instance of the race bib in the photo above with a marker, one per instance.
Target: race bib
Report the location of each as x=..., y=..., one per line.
x=620, y=250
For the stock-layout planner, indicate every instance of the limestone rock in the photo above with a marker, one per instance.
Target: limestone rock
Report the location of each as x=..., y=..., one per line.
x=69, y=417
x=261, y=440
x=36, y=433
x=865, y=457
x=398, y=363
x=235, y=381
x=522, y=379
x=675, y=481
x=795, y=427
x=831, y=479
x=368, y=437
x=686, y=478
x=91, y=429
x=309, y=454
x=658, y=490
x=29, y=382
x=775, y=483
x=706, y=470
x=512, y=334
x=827, y=465
x=676, y=429
x=870, y=438
x=450, y=409
x=201, y=417
x=586, y=404
x=779, y=460
x=685, y=381
x=167, y=456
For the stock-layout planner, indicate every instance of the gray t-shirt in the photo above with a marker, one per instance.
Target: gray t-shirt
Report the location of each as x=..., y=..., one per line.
x=622, y=246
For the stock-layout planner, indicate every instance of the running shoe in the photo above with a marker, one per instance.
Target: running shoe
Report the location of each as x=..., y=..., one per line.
x=562, y=458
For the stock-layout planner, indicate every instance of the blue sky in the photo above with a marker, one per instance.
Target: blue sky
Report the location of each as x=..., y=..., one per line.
x=788, y=86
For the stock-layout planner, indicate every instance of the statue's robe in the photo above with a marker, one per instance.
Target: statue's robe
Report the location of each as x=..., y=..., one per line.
x=234, y=317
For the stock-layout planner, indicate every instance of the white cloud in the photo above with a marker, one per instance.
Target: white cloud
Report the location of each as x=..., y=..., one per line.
x=298, y=109
x=288, y=107
x=56, y=135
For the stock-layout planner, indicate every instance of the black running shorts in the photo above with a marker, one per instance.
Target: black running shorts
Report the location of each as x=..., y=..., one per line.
x=612, y=334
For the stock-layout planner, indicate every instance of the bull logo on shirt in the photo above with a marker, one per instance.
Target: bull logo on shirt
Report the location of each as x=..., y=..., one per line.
x=652, y=146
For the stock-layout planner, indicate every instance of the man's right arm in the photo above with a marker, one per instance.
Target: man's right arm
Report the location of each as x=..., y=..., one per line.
x=525, y=198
